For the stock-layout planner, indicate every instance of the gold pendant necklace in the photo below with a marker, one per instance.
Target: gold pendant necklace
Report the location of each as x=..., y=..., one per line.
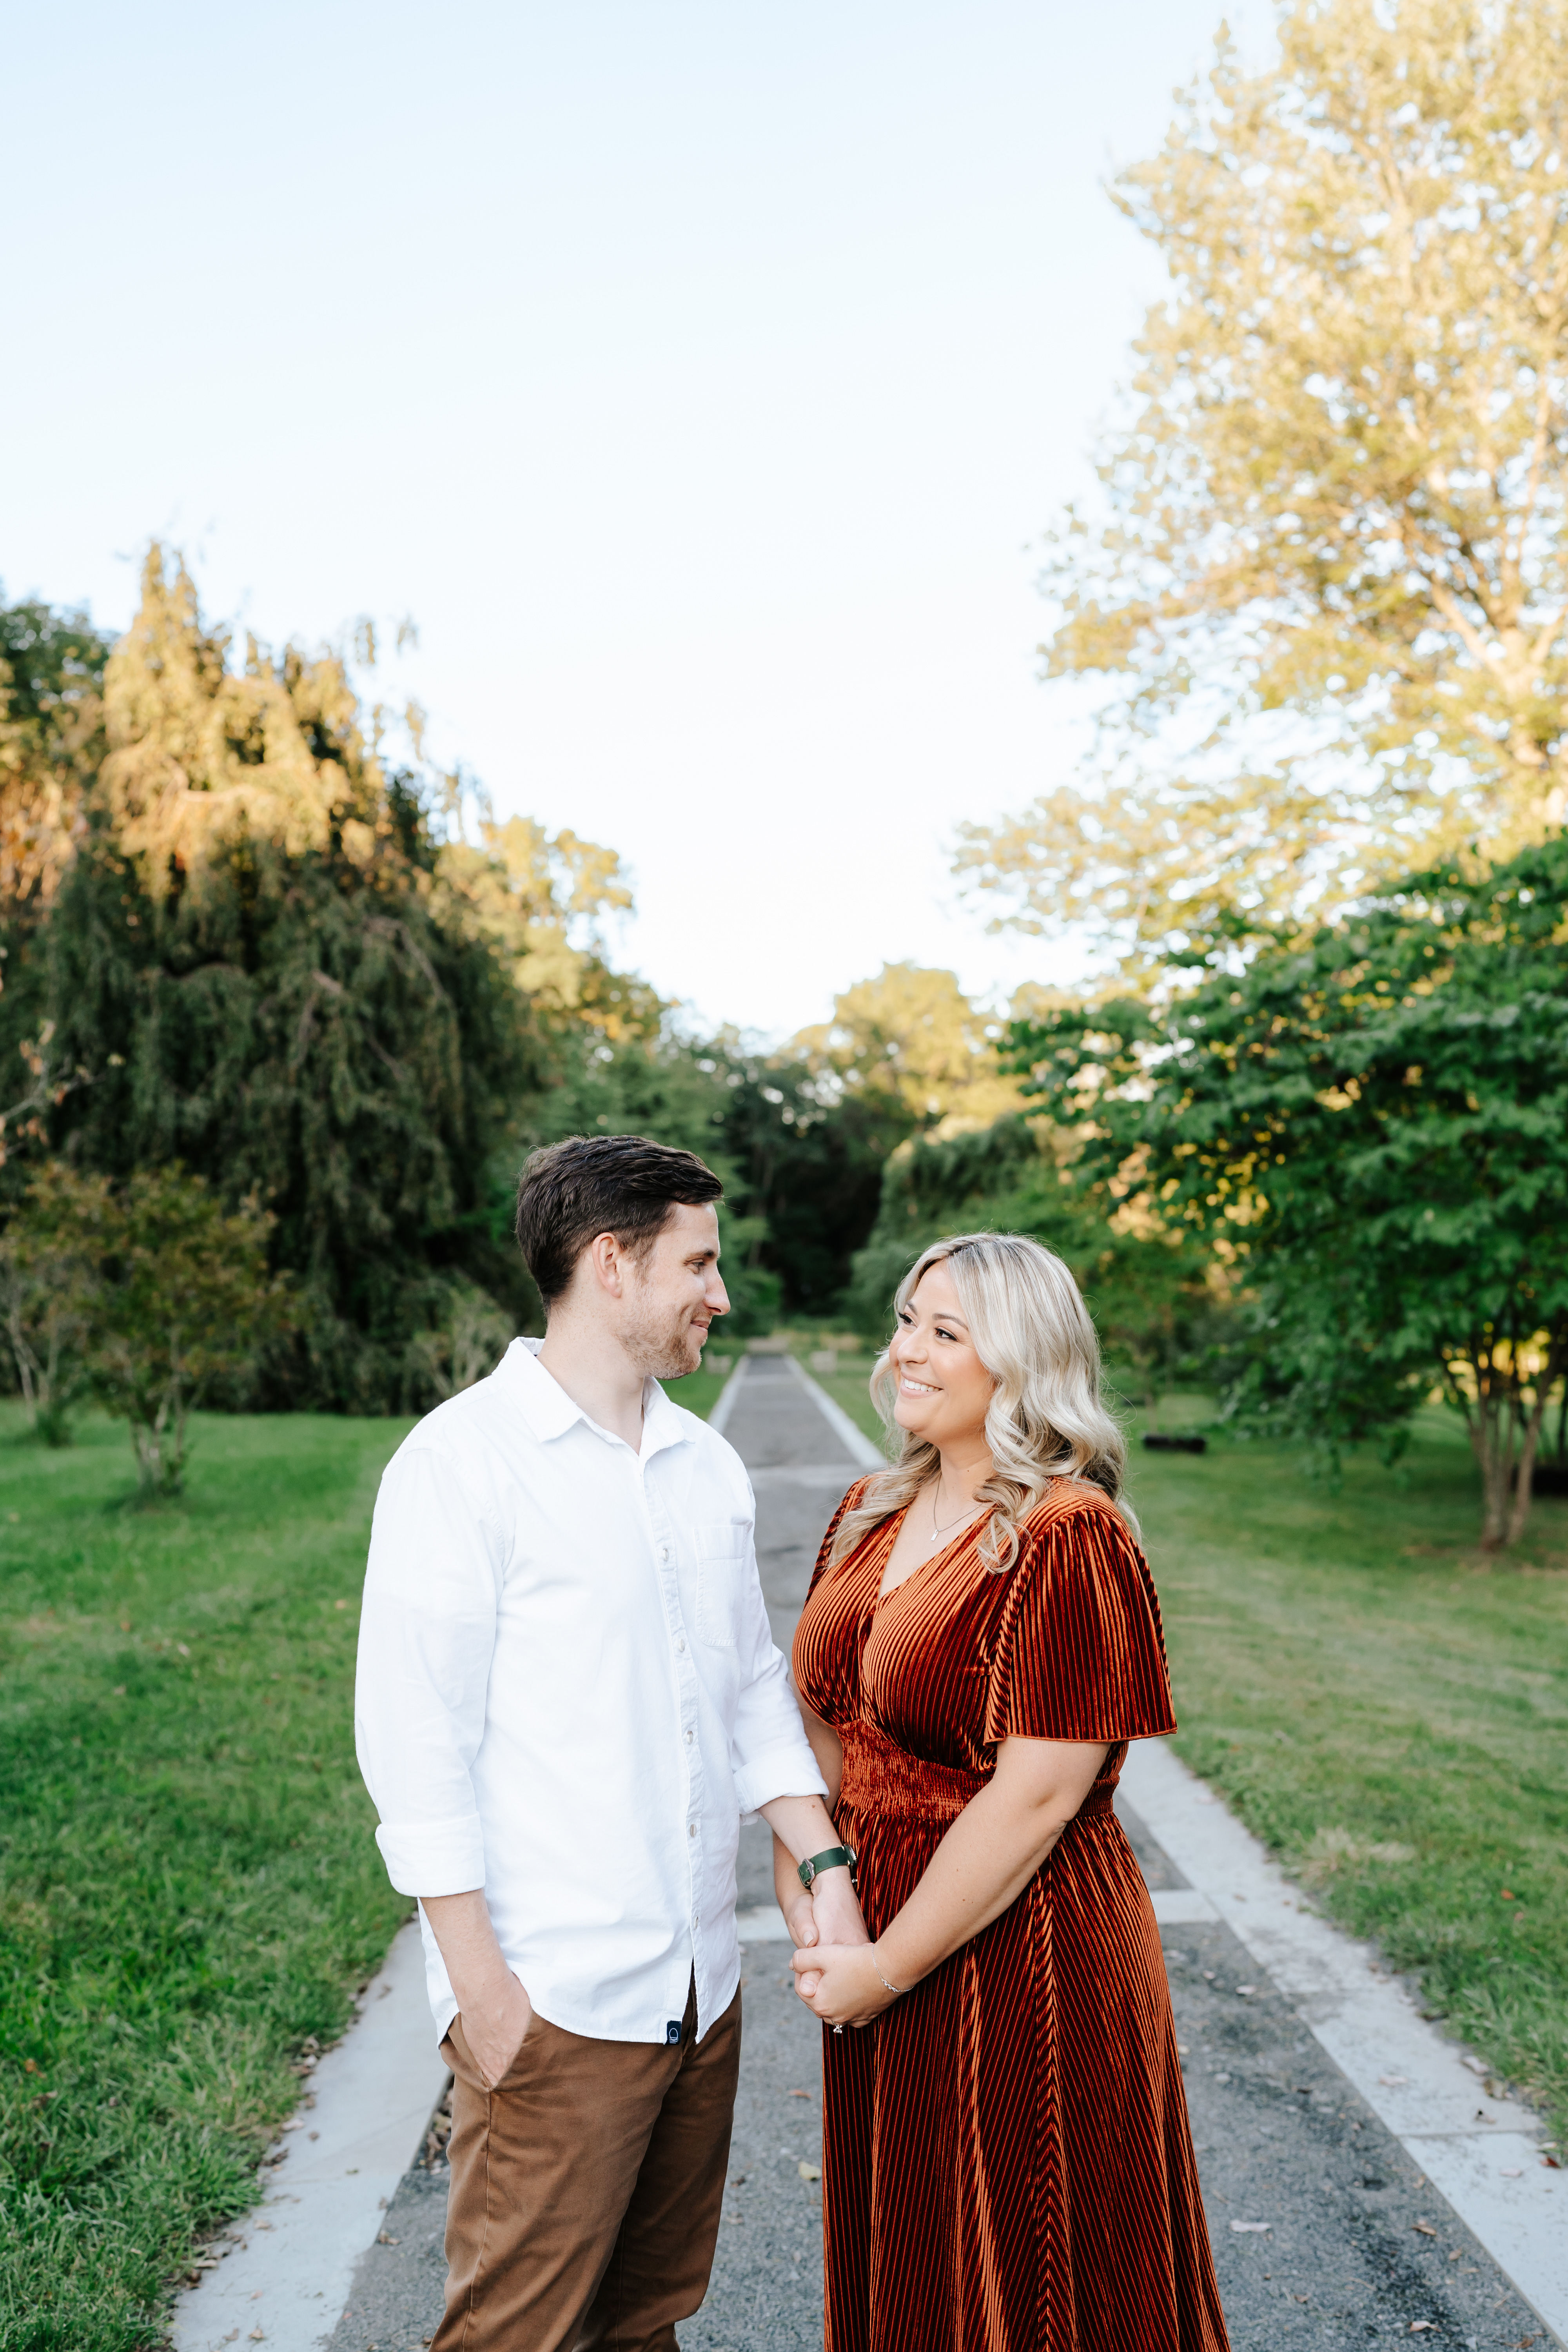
x=936, y=1532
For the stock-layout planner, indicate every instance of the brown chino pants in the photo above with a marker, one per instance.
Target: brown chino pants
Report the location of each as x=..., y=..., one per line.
x=586, y=2189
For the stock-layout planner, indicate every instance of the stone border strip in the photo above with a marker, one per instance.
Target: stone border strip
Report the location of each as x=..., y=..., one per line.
x=861, y=1450
x=286, y=2277
x=1482, y=2154
x=727, y=1395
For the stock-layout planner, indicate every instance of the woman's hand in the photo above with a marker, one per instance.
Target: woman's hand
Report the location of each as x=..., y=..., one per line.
x=847, y=1986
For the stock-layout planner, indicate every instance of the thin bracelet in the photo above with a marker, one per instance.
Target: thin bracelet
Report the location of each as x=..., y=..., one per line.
x=882, y=1981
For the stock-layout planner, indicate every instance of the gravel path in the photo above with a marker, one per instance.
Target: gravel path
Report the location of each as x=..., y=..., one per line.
x=1358, y=2248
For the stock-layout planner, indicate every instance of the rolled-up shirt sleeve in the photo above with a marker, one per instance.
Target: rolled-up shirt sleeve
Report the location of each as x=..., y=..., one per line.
x=770, y=1755
x=427, y=1630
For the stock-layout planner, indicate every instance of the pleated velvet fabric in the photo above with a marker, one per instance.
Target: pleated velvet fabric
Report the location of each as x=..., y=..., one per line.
x=1007, y=2162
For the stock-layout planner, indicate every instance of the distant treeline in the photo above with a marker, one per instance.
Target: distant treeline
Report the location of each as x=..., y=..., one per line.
x=1319, y=1166
x=239, y=936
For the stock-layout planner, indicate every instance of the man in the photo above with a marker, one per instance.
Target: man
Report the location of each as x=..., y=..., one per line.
x=567, y=1698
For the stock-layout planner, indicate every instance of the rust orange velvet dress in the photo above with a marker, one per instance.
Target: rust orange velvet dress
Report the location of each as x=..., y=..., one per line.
x=1007, y=2164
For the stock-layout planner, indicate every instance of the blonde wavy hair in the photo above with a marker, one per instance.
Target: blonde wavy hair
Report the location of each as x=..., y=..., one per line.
x=1046, y=1420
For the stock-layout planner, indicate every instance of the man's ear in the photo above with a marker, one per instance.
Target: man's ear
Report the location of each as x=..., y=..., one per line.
x=605, y=1263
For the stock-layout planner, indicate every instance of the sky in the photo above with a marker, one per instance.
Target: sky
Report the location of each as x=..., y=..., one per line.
x=700, y=378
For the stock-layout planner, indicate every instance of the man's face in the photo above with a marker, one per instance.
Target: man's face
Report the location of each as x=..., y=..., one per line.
x=673, y=1293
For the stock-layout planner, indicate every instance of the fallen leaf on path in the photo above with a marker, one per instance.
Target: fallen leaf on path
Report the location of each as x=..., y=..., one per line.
x=1394, y=2082
x=1511, y=2171
x=808, y=2172
x=1242, y=2227
x=1426, y=2229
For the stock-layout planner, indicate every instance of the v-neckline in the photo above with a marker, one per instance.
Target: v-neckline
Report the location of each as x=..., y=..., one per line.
x=879, y=1598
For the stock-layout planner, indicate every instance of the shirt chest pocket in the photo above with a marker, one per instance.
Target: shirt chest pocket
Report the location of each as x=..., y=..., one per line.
x=721, y=1552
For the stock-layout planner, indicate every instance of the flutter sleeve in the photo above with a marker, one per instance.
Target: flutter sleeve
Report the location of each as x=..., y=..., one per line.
x=1080, y=1652
x=851, y=1502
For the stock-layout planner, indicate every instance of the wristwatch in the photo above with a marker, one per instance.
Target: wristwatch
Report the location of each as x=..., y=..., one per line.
x=836, y=1857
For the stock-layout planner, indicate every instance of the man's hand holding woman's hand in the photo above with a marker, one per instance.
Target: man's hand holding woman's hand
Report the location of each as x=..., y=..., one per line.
x=830, y=1914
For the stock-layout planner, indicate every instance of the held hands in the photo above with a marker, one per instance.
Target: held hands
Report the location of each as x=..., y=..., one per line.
x=842, y=1983
x=830, y=1914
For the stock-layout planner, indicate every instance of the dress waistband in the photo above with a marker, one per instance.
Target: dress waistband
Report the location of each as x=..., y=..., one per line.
x=884, y=1781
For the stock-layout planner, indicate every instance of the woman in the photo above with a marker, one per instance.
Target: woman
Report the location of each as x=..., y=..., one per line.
x=1007, y=2162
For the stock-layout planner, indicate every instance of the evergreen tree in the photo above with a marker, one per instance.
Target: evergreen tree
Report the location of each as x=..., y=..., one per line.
x=254, y=964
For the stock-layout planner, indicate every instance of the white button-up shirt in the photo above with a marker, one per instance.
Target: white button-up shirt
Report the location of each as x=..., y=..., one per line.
x=568, y=1694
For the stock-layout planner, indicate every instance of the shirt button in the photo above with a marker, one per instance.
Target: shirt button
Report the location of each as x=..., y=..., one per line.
x=664, y=1551
x=689, y=1739
x=692, y=1829
x=680, y=1642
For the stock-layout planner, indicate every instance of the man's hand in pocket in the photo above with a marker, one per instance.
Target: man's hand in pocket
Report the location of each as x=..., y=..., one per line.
x=494, y=2026
x=494, y=2007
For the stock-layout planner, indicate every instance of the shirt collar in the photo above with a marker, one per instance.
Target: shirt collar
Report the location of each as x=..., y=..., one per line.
x=549, y=1412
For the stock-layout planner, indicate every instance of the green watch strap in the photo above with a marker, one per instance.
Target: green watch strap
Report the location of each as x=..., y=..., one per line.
x=836, y=1857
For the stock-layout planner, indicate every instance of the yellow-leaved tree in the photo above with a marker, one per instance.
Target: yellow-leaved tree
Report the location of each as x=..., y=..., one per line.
x=910, y=1036
x=1326, y=582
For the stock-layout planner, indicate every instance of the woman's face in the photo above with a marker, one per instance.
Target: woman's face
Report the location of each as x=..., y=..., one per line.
x=944, y=1387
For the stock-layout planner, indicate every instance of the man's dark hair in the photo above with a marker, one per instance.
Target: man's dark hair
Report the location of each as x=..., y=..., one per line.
x=590, y=1184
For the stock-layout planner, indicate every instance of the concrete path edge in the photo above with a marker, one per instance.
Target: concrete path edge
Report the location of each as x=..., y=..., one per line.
x=868, y=1456
x=727, y=1396
x=285, y=2277
x=1482, y=2154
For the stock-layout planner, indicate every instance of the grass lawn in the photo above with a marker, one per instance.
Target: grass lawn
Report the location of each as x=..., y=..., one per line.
x=1387, y=1707
x=189, y=1893
x=1382, y=1704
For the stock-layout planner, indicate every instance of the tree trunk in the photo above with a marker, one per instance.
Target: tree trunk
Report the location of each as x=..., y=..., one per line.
x=1523, y=1488
x=1491, y=1439
x=149, y=1456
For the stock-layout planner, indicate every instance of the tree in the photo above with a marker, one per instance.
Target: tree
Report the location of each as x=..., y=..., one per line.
x=1150, y=1287
x=1159, y=1298
x=172, y=1294
x=271, y=958
x=51, y=741
x=44, y=1286
x=1327, y=583
x=911, y=1040
x=1372, y=1117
